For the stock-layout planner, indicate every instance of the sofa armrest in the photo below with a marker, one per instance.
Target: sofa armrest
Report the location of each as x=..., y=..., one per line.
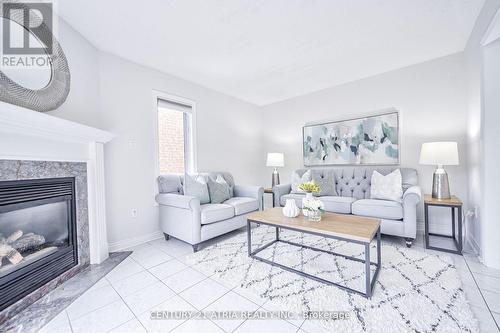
x=249, y=191
x=180, y=216
x=411, y=199
x=279, y=191
x=412, y=195
x=178, y=201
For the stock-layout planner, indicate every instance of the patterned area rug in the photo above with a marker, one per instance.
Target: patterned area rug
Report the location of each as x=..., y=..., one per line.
x=415, y=291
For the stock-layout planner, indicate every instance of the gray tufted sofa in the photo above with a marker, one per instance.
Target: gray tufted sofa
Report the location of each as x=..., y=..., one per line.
x=183, y=217
x=353, y=197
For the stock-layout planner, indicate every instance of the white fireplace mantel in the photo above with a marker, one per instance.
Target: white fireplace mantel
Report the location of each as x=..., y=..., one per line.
x=31, y=135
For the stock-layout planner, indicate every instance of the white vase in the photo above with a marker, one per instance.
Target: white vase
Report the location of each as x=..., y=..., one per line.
x=291, y=209
x=309, y=197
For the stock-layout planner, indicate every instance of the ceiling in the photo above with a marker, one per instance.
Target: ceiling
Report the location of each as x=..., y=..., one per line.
x=263, y=51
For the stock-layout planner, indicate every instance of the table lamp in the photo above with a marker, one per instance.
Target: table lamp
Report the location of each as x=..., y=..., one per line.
x=276, y=160
x=439, y=154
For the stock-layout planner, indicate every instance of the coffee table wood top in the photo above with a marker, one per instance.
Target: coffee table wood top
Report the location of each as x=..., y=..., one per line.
x=352, y=227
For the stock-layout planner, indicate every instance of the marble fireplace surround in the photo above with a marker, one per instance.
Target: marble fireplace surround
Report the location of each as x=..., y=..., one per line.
x=20, y=170
x=37, y=145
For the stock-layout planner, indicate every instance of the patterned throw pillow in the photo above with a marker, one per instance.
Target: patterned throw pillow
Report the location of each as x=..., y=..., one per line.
x=221, y=179
x=218, y=189
x=326, y=184
x=297, y=180
x=388, y=187
x=196, y=187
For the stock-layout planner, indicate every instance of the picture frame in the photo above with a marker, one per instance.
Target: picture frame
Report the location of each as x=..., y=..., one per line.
x=367, y=140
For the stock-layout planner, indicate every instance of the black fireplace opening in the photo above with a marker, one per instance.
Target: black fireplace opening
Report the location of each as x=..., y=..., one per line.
x=38, y=238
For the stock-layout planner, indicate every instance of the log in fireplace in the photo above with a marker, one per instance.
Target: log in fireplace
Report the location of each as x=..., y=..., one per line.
x=38, y=238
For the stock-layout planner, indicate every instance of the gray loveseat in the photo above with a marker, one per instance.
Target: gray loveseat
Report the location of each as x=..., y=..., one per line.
x=353, y=197
x=183, y=217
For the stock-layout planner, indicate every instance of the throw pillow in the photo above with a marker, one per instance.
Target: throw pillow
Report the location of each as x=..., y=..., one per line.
x=297, y=180
x=326, y=184
x=218, y=189
x=388, y=187
x=196, y=187
x=220, y=179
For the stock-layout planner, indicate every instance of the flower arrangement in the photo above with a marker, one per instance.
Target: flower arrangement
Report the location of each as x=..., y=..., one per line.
x=310, y=187
x=314, y=205
x=312, y=208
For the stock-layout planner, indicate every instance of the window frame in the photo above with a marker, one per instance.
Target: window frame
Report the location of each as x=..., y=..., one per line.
x=193, y=164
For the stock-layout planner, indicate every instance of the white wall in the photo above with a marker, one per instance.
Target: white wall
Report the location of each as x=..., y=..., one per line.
x=491, y=156
x=82, y=104
x=479, y=224
x=228, y=138
x=429, y=96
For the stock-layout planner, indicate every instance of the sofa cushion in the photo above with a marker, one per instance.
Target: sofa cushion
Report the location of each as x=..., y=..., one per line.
x=383, y=209
x=243, y=205
x=196, y=186
x=388, y=187
x=300, y=179
x=211, y=213
x=337, y=204
x=326, y=181
x=218, y=189
x=297, y=197
x=170, y=183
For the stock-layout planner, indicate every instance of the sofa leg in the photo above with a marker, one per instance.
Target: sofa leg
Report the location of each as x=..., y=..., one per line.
x=195, y=247
x=409, y=242
x=167, y=237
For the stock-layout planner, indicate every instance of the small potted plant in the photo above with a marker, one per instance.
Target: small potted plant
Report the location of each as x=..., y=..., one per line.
x=310, y=205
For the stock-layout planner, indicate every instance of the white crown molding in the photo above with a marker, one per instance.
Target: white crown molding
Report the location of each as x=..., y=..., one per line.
x=19, y=120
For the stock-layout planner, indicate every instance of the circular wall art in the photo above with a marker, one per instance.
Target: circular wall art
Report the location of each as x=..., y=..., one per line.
x=55, y=88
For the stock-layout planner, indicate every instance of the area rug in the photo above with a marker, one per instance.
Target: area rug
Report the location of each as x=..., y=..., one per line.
x=415, y=292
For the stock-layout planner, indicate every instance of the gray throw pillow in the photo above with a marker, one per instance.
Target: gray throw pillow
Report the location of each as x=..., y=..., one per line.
x=220, y=178
x=326, y=183
x=196, y=187
x=218, y=189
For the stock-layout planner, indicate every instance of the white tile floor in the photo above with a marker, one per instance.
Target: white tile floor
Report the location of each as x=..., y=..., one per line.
x=157, y=277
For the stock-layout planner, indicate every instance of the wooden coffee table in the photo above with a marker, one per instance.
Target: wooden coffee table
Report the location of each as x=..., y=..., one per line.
x=348, y=228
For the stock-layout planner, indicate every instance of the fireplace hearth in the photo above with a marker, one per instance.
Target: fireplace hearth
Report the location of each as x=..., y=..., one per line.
x=38, y=238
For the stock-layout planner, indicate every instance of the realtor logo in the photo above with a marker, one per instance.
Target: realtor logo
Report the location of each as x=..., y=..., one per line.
x=36, y=18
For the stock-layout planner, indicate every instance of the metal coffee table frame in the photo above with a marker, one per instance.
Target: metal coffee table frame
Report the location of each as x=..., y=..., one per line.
x=369, y=283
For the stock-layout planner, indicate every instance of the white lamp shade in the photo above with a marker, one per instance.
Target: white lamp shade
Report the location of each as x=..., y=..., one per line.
x=439, y=153
x=275, y=160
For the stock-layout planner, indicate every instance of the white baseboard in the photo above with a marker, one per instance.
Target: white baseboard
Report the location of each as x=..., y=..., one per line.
x=129, y=242
x=474, y=246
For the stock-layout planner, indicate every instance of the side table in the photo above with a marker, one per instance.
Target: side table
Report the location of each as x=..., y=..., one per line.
x=268, y=190
x=455, y=204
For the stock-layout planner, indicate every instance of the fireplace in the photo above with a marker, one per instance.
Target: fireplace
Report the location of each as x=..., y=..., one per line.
x=38, y=238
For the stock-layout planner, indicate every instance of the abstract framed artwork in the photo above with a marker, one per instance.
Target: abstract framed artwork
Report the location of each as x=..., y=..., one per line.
x=360, y=141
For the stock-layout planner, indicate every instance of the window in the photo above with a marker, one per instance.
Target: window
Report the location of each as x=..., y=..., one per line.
x=175, y=137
